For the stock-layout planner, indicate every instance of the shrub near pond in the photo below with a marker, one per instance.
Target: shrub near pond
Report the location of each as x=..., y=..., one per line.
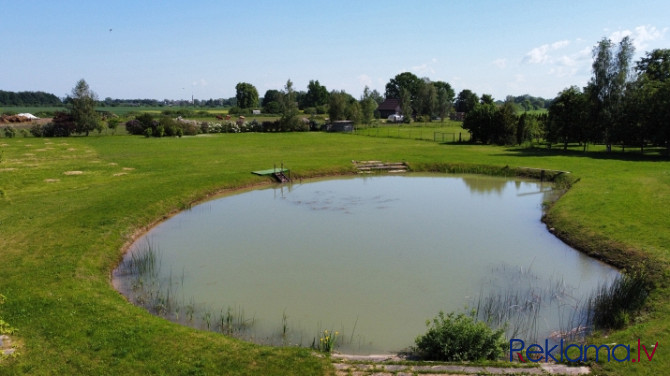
x=460, y=337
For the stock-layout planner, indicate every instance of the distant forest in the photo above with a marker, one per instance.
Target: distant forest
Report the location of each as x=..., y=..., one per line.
x=42, y=99
x=28, y=98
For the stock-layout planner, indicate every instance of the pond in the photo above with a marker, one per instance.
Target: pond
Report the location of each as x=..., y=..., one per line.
x=372, y=258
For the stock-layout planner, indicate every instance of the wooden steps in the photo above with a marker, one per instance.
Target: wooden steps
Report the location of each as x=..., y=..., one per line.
x=369, y=167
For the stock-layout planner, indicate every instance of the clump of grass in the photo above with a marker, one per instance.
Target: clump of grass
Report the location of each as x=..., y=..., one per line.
x=327, y=341
x=610, y=306
x=143, y=263
x=5, y=328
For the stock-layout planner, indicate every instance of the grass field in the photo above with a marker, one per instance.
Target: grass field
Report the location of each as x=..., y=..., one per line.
x=68, y=206
x=447, y=131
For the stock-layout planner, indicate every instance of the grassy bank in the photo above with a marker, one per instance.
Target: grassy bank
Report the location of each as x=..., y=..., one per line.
x=67, y=206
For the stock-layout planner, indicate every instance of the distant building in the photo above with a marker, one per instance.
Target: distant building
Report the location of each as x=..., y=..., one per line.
x=340, y=126
x=390, y=106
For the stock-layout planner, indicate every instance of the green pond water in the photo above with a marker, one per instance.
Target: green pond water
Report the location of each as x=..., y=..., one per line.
x=372, y=258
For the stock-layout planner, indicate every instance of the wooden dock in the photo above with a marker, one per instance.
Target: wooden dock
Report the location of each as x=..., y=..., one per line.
x=279, y=174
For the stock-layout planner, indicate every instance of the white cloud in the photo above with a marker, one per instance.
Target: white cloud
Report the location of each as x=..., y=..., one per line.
x=500, y=63
x=364, y=80
x=424, y=69
x=641, y=35
x=541, y=55
x=560, y=44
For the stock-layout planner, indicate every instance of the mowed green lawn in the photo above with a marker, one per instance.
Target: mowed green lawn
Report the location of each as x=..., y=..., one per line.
x=68, y=206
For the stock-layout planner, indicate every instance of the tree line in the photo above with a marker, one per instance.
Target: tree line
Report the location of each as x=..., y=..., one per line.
x=316, y=100
x=623, y=104
x=28, y=98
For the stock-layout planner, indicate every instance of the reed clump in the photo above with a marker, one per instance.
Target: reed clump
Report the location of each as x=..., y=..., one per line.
x=611, y=306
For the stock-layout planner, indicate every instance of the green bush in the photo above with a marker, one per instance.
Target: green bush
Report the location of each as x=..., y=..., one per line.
x=36, y=130
x=239, y=111
x=460, y=338
x=10, y=132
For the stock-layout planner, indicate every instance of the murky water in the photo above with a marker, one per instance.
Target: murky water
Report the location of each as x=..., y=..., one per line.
x=372, y=258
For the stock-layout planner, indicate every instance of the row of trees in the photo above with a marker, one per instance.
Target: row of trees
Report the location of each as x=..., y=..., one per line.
x=420, y=97
x=500, y=124
x=621, y=104
x=28, y=98
x=317, y=99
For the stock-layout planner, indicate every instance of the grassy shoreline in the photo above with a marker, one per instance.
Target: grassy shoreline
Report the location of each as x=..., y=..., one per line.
x=62, y=236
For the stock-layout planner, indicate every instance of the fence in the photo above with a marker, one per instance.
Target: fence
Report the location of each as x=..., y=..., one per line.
x=413, y=133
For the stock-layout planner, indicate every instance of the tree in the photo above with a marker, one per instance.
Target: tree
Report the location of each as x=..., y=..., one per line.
x=529, y=128
x=466, y=101
x=426, y=100
x=338, y=105
x=289, y=107
x=655, y=66
x=649, y=100
x=82, y=108
x=480, y=122
x=246, y=95
x=611, y=73
x=407, y=81
x=406, y=105
x=271, y=101
x=368, y=106
x=374, y=94
x=317, y=95
x=445, y=97
x=505, y=126
x=354, y=112
x=568, y=117
x=661, y=119
x=486, y=99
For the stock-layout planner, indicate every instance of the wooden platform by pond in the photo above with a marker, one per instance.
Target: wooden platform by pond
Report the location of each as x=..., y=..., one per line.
x=279, y=174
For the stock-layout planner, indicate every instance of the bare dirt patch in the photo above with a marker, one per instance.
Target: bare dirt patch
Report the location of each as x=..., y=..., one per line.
x=73, y=172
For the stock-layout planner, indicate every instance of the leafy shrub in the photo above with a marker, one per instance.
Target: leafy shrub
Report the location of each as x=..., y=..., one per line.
x=272, y=108
x=183, y=112
x=321, y=110
x=134, y=127
x=270, y=126
x=460, y=338
x=169, y=126
x=239, y=111
x=10, y=132
x=62, y=125
x=187, y=128
x=255, y=126
x=36, y=130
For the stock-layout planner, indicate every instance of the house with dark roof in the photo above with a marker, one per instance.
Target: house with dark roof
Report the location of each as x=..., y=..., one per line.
x=390, y=106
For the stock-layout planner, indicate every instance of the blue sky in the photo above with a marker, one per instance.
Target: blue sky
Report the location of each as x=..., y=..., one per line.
x=176, y=49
